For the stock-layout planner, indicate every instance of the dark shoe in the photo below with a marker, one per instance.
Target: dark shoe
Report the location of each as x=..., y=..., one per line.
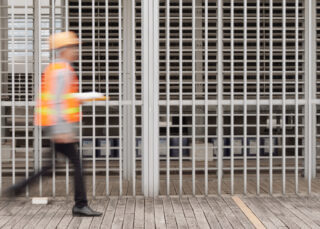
x=84, y=211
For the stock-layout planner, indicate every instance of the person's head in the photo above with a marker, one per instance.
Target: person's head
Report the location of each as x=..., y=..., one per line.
x=66, y=45
x=70, y=53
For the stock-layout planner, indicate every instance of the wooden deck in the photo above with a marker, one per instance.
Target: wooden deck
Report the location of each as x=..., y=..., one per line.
x=168, y=212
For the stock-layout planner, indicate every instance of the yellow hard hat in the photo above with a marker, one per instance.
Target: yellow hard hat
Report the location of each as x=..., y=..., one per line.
x=63, y=39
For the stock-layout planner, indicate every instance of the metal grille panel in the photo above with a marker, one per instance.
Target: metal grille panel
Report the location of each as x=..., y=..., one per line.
x=237, y=105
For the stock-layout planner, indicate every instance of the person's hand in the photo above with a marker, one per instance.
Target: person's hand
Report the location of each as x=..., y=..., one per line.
x=64, y=138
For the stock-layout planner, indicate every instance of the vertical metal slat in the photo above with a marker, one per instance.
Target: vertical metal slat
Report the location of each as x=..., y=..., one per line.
x=296, y=96
x=120, y=98
x=245, y=99
x=220, y=79
x=270, y=98
x=80, y=78
x=93, y=103
x=26, y=95
x=134, y=97
x=232, y=98
x=107, y=103
x=284, y=96
x=193, y=101
x=13, y=93
x=39, y=93
x=180, y=98
x=168, y=92
x=258, y=97
x=206, y=98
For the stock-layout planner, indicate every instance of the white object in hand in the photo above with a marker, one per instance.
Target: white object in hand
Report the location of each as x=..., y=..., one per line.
x=89, y=95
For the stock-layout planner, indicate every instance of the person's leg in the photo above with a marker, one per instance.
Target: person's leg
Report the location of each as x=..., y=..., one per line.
x=69, y=150
x=19, y=187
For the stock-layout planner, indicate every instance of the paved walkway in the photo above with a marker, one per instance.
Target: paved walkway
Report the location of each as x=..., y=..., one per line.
x=174, y=212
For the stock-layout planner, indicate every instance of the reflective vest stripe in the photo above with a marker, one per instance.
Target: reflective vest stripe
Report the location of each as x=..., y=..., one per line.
x=72, y=110
x=47, y=96
x=45, y=111
x=68, y=96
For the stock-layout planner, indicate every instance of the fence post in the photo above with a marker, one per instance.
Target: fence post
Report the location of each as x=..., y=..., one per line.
x=128, y=62
x=37, y=73
x=150, y=97
x=310, y=76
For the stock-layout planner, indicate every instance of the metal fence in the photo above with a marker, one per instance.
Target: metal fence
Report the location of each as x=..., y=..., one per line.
x=207, y=96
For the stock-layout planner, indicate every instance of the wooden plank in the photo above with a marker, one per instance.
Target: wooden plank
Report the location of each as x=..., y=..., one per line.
x=139, y=213
x=283, y=213
x=163, y=187
x=101, y=207
x=211, y=217
x=172, y=187
x=159, y=213
x=75, y=222
x=3, y=207
x=129, y=213
x=5, y=213
x=264, y=184
x=238, y=213
x=100, y=187
x=218, y=212
x=251, y=216
x=198, y=212
x=149, y=220
x=261, y=213
x=67, y=217
x=11, y=207
x=280, y=218
x=212, y=185
x=115, y=189
x=33, y=209
x=199, y=187
x=125, y=187
x=187, y=208
x=128, y=220
x=34, y=220
x=188, y=212
x=15, y=212
x=48, y=216
x=58, y=216
x=187, y=187
x=310, y=204
x=228, y=213
x=110, y=212
x=168, y=213
x=251, y=186
x=175, y=187
x=300, y=211
x=119, y=214
x=130, y=206
x=178, y=212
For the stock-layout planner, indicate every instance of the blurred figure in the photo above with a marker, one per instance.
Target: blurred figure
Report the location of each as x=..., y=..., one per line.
x=58, y=111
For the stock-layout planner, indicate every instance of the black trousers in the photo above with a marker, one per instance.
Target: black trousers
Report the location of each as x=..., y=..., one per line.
x=69, y=150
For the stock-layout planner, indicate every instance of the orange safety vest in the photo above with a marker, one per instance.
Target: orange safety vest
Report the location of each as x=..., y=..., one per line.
x=45, y=114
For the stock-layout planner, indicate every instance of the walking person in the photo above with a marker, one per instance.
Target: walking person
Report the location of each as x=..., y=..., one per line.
x=58, y=111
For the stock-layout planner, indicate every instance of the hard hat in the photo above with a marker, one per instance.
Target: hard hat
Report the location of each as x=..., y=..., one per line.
x=63, y=39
